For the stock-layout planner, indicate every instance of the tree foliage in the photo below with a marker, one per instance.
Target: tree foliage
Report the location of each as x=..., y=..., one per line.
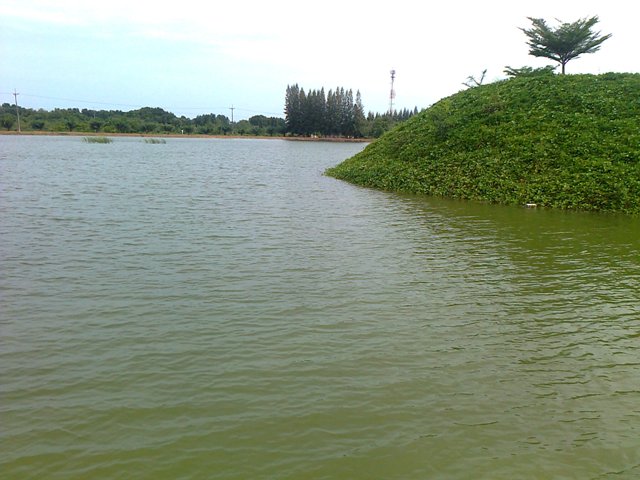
x=7, y=121
x=528, y=71
x=335, y=114
x=147, y=120
x=316, y=113
x=564, y=43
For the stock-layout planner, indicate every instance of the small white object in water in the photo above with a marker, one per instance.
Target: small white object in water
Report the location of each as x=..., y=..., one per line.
x=531, y=205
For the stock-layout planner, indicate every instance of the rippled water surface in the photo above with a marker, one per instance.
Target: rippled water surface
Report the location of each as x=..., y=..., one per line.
x=220, y=309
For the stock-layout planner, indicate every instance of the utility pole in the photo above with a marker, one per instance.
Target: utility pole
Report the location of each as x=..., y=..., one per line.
x=232, y=108
x=15, y=97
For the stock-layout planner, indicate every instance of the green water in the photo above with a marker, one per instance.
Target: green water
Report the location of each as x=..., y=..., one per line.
x=220, y=309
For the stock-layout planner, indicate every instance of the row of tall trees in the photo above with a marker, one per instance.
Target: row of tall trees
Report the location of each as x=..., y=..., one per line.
x=335, y=114
x=144, y=120
x=338, y=113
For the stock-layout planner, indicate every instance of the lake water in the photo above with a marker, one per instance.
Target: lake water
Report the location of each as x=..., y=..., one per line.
x=219, y=309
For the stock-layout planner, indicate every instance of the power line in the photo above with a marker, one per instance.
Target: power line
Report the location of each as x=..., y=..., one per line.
x=116, y=104
x=80, y=101
x=257, y=111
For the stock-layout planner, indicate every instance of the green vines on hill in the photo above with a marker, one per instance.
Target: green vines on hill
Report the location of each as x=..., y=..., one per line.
x=558, y=141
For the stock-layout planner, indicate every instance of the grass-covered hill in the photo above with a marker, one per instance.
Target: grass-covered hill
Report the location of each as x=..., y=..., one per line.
x=566, y=141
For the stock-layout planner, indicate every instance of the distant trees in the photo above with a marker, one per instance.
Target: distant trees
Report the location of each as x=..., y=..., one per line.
x=37, y=124
x=212, y=124
x=261, y=125
x=145, y=120
x=314, y=113
x=7, y=121
x=334, y=114
x=562, y=44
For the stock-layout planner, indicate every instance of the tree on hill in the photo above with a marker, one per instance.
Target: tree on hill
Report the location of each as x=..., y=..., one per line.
x=564, y=43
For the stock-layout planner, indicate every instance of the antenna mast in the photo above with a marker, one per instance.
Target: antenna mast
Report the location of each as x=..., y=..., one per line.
x=392, y=94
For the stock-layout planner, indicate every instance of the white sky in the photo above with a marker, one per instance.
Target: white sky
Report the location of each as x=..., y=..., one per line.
x=193, y=57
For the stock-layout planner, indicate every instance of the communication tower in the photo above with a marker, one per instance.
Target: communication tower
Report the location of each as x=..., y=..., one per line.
x=392, y=94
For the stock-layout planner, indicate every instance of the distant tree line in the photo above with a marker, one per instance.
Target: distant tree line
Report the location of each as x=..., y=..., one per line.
x=335, y=114
x=145, y=120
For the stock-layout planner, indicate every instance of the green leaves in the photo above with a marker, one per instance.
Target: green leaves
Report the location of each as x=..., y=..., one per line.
x=558, y=141
x=564, y=43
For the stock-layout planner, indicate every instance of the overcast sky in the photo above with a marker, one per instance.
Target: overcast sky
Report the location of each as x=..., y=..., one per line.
x=193, y=57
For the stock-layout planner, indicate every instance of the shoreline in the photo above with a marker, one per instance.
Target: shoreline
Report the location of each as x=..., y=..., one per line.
x=187, y=135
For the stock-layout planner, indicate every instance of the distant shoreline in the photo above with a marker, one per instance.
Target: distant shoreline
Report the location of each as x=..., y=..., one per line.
x=191, y=135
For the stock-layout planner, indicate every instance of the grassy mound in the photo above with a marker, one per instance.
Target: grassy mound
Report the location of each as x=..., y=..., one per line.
x=565, y=141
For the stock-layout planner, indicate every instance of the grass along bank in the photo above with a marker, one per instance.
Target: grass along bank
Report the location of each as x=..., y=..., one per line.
x=563, y=141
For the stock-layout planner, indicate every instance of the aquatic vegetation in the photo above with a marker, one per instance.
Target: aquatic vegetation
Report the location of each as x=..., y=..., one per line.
x=98, y=139
x=155, y=141
x=564, y=141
